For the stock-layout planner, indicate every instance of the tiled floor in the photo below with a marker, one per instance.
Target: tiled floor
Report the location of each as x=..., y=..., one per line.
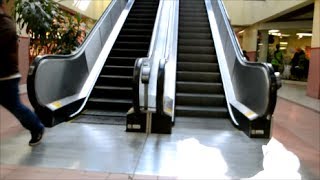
x=82, y=151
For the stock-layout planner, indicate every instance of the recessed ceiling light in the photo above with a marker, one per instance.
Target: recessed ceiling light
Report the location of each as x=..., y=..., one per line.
x=273, y=31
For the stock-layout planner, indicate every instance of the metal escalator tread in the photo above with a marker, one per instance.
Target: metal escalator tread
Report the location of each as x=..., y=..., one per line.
x=113, y=90
x=201, y=95
x=107, y=100
x=199, y=88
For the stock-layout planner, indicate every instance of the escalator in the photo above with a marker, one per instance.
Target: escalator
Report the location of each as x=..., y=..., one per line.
x=200, y=96
x=112, y=93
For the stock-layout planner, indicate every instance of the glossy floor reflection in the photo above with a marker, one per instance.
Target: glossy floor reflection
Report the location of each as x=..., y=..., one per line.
x=205, y=151
x=104, y=148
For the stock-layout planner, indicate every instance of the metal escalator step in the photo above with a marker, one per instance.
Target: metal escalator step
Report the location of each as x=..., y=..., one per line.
x=105, y=100
x=199, y=87
x=193, y=19
x=114, y=76
x=114, y=80
x=192, y=14
x=121, y=61
x=192, y=9
x=196, y=99
x=191, y=29
x=197, y=66
x=136, y=31
x=198, y=76
x=142, y=15
x=196, y=42
x=135, y=25
x=188, y=57
x=142, y=10
x=208, y=123
x=115, y=88
x=136, y=38
x=107, y=91
x=133, y=20
x=184, y=24
x=194, y=35
x=196, y=49
x=131, y=45
x=111, y=100
x=109, y=104
x=129, y=52
x=117, y=70
x=97, y=112
x=202, y=111
x=147, y=3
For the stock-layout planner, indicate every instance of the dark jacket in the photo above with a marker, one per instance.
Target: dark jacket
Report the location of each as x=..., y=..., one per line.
x=8, y=47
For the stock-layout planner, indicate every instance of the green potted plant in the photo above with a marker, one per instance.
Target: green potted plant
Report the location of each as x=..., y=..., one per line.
x=51, y=30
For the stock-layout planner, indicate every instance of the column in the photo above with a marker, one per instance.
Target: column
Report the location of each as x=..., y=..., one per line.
x=263, y=46
x=250, y=42
x=313, y=85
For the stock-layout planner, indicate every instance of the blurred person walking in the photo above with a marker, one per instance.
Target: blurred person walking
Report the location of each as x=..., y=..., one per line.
x=10, y=77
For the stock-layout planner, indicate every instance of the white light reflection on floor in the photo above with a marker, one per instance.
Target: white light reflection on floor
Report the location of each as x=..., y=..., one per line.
x=197, y=161
x=278, y=162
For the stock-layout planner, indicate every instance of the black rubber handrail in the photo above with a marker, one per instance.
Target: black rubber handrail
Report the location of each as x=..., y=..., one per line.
x=135, y=85
x=160, y=87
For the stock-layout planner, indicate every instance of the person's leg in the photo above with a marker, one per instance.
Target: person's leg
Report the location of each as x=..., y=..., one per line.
x=10, y=99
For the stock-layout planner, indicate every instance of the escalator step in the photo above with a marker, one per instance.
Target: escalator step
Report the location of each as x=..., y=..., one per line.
x=136, y=38
x=193, y=24
x=131, y=45
x=116, y=80
x=104, y=100
x=192, y=14
x=198, y=76
x=188, y=57
x=196, y=49
x=197, y=67
x=117, y=70
x=196, y=42
x=199, y=87
x=195, y=36
x=133, y=20
x=121, y=61
x=142, y=25
x=202, y=99
x=197, y=111
x=111, y=92
x=129, y=52
x=136, y=31
x=191, y=29
x=140, y=15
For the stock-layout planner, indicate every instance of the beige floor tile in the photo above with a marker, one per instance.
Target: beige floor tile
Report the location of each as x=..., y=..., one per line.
x=32, y=173
x=5, y=170
x=114, y=176
x=167, y=178
x=96, y=175
x=144, y=177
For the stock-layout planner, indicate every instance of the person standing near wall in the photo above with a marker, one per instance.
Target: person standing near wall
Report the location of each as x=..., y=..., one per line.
x=10, y=77
x=277, y=61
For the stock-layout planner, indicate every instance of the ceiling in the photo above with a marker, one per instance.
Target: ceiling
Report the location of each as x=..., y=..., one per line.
x=303, y=14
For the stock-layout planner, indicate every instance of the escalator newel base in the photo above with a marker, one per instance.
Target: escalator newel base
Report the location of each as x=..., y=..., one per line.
x=161, y=124
x=258, y=128
x=136, y=122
